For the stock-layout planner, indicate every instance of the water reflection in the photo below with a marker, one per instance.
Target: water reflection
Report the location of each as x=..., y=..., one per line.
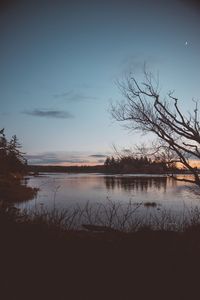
x=98, y=188
x=142, y=184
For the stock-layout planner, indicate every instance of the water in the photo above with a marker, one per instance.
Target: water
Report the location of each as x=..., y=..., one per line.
x=62, y=191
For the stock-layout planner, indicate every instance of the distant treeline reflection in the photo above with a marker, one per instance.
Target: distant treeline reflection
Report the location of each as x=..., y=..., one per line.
x=135, y=183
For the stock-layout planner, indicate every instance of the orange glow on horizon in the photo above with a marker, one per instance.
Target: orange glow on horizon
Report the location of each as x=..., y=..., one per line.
x=193, y=163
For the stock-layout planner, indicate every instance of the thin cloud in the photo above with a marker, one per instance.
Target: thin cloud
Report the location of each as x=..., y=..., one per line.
x=74, y=97
x=98, y=155
x=63, y=95
x=64, y=157
x=53, y=158
x=56, y=114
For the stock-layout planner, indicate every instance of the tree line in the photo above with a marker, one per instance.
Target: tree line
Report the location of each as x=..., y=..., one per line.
x=134, y=164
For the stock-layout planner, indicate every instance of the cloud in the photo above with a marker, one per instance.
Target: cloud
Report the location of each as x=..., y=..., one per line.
x=98, y=155
x=65, y=158
x=72, y=96
x=56, y=114
x=53, y=158
x=63, y=95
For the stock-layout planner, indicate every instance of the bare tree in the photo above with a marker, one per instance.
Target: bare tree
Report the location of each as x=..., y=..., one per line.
x=145, y=110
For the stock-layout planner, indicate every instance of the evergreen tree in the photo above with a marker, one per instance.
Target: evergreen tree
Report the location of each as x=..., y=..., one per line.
x=11, y=157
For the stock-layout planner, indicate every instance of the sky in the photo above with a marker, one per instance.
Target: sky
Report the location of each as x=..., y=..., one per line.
x=60, y=60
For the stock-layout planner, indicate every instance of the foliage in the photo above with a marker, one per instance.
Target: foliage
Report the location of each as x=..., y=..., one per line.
x=11, y=157
x=135, y=164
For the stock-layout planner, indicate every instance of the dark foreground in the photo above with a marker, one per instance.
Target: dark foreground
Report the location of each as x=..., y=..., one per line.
x=38, y=262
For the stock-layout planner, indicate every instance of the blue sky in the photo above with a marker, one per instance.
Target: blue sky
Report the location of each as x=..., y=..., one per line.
x=60, y=60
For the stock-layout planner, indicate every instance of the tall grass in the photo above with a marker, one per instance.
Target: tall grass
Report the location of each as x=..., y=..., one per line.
x=110, y=216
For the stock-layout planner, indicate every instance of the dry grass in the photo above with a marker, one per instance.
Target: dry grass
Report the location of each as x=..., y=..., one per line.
x=49, y=255
x=112, y=216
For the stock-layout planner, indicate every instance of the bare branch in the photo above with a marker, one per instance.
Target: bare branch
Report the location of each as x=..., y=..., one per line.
x=143, y=109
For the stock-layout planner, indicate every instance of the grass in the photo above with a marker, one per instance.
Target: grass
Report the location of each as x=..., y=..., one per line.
x=112, y=216
x=43, y=259
x=99, y=251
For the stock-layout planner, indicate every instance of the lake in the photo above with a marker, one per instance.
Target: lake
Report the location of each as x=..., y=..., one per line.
x=152, y=192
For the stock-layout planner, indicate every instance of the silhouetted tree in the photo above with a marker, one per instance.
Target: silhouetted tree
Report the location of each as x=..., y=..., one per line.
x=11, y=157
x=144, y=109
x=133, y=164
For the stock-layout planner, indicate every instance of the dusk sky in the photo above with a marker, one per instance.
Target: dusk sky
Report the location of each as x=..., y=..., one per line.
x=60, y=60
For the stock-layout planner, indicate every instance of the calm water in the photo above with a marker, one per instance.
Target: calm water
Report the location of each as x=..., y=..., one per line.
x=63, y=190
